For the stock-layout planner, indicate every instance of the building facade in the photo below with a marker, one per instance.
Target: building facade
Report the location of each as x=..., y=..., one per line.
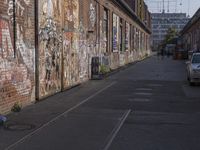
x=161, y=22
x=140, y=9
x=47, y=46
x=190, y=34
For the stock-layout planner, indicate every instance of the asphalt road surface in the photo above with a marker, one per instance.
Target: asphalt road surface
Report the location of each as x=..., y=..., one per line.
x=147, y=106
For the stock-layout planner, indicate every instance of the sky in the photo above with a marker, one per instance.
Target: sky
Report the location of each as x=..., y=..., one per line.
x=185, y=6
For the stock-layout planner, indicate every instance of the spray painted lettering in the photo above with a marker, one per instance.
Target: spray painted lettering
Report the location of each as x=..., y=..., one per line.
x=50, y=47
x=16, y=69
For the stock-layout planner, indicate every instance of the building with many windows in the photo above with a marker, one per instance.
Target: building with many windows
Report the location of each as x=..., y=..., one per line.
x=161, y=22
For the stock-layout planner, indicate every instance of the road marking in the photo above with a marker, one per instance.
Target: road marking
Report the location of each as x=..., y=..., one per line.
x=142, y=93
x=144, y=89
x=20, y=141
x=139, y=100
x=114, y=132
x=155, y=85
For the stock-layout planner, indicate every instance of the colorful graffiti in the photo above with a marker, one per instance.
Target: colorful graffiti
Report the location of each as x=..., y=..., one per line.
x=71, y=33
x=92, y=16
x=50, y=47
x=63, y=38
x=17, y=65
x=83, y=52
x=6, y=40
x=71, y=43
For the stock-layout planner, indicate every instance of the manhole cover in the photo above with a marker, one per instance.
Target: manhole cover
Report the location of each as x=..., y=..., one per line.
x=19, y=127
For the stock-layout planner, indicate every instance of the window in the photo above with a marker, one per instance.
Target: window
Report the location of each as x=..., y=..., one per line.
x=136, y=39
x=196, y=59
x=105, y=29
x=133, y=38
x=127, y=37
x=115, y=37
x=121, y=35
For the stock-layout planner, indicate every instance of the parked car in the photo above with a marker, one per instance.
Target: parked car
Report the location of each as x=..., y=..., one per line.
x=193, y=69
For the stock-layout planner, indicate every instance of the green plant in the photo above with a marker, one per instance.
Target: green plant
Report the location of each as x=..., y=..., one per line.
x=171, y=34
x=104, y=69
x=16, y=107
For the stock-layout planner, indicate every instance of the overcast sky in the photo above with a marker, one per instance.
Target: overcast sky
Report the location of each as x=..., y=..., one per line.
x=185, y=6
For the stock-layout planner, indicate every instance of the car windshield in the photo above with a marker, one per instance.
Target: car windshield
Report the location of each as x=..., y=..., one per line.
x=196, y=59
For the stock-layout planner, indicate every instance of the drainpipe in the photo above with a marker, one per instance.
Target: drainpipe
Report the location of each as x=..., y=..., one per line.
x=14, y=27
x=36, y=52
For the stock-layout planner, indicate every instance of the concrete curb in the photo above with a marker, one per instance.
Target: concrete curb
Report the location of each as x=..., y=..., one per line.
x=121, y=68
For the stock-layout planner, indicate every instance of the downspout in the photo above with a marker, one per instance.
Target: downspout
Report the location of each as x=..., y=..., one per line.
x=36, y=53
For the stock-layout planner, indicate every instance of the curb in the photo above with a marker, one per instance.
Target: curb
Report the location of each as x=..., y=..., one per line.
x=126, y=66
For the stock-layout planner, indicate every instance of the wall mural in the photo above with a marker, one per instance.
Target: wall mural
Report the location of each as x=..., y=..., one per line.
x=69, y=36
x=79, y=45
x=17, y=66
x=83, y=52
x=92, y=16
x=71, y=43
x=104, y=32
x=50, y=46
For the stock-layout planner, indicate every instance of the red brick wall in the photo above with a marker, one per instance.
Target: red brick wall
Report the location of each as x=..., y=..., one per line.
x=16, y=65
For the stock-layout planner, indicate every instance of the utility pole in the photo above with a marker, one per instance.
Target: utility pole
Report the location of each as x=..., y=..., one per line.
x=168, y=6
x=181, y=4
x=163, y=6
x=176, y=6
x=188, y=8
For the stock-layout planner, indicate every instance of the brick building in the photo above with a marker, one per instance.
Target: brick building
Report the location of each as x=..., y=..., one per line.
x=140, y=9
x=191, y=33
x=46, y=46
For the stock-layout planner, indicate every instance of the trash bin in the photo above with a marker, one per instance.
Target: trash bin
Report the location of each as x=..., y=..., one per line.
x=95, y=67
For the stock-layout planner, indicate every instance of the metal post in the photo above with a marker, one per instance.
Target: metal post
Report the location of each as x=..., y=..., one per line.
x=163, y=6
x=36, y=53
x=14, y=27
x=62, y=51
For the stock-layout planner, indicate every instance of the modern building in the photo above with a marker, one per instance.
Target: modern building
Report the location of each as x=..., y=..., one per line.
x=47, y=46
x=191, y=33
x=161, y=22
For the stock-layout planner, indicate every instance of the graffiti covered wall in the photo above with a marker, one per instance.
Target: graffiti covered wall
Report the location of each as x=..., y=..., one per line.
x=17, y=73
x=79, y=41
x=71, y=43
x=50, y=46
x=70, y=33
x=65, y=46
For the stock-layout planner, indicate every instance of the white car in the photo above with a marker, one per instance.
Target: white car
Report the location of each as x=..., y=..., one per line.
x=193, y=68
